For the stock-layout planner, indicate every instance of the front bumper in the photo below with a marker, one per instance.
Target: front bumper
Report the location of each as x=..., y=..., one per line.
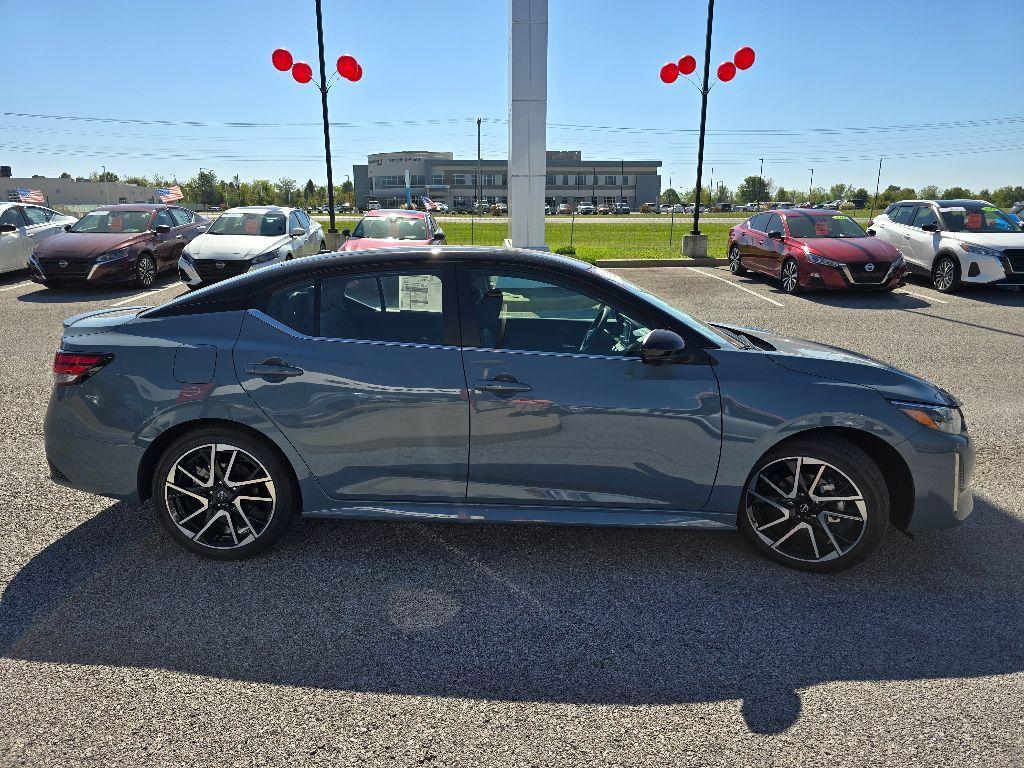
x=846, y=278
x=196, y=272
x=942, y=467
x=48, y=271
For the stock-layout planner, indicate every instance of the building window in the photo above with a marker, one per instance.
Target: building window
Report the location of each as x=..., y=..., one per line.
x=122, y=201
x=550, y=181
x=565, y=181
x=609, y=181
x=625, y=180
x=489, y=180
x=459, y=179
x=388, y=182
x=437, y=179
x=416, y=180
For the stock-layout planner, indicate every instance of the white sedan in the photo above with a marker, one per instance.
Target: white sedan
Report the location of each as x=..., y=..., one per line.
x=249, y=238
x=22, y=228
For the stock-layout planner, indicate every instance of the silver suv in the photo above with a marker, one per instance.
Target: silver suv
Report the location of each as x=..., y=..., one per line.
x=955, y=242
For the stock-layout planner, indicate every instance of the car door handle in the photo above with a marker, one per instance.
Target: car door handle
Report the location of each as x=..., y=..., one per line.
x=273, y=369
x=502, y=385
x=906, y=237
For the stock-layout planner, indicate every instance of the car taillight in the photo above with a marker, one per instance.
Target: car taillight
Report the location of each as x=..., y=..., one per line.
x=76, y=367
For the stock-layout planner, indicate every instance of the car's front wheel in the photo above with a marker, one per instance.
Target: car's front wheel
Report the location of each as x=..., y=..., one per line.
x=735, y=265
x=814, y=504
x=223, y=494
x=790, y=276
x=145, y=271
x=946, y=274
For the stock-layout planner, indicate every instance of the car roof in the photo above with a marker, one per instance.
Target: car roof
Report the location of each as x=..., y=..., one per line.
x=246, y=285
x=259, y=209
x=133, y=207
x=809, y=212
x=943, y=203
x=396, y=212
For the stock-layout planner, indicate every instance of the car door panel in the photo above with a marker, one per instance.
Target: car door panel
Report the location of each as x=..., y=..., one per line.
x=919, y=246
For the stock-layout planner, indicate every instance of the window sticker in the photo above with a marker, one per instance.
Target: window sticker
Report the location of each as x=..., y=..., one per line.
x=974, y=221
x=821, y=227
x=116, y=224
x=252, y=226
x=954, y=209
x=419, y=293
x=840, y=216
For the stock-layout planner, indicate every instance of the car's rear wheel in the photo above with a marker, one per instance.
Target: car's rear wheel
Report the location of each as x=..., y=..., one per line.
x=946, y=274
x=145, y=271
x=323, y=246
x=223, y=494
x=790, y=276
x=735, y=266
x=817, y=505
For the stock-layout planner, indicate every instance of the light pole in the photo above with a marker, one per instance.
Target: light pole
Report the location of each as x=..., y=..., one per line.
x=811, y=187
x=878, y=182
x=106, y=193
x=347, y=67
x=760, y=178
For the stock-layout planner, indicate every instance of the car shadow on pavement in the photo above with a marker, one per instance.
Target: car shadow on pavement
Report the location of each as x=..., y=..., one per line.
x=539, y=614
x=81, y=294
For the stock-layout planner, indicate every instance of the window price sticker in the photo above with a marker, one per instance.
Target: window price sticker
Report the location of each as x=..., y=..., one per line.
x=974, y=221
x=419, y=293
x=821, y=227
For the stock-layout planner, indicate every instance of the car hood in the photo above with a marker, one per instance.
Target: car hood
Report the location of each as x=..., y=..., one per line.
x=366, y=243
x=856, y=250
x=827, y=362
x=84, y=245
x=233, y=247
x=989, y=239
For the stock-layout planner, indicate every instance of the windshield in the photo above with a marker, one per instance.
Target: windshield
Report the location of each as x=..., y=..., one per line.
x=257, y=224
x=824, y=226
x=678, y=314
x=106, y=222
x=977, y=217
x=392, y=228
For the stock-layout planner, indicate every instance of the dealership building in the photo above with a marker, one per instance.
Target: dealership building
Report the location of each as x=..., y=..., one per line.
x=70, y=193
x=443, y=179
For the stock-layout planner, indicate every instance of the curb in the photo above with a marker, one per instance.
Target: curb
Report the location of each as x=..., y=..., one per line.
x=622, y=263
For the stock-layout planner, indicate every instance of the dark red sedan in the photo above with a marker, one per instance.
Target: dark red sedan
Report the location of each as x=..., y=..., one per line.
x=814, y=249
x=117, y=244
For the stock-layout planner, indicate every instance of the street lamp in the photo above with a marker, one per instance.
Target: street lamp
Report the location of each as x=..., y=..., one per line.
x=811, y=187
x=760, y=179
x=106, y=193
x=347, y=67
x=743, y=59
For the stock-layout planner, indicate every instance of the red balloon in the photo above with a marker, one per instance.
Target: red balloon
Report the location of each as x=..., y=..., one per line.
x=282, y=59
x=726, y=71
x=669, y=73
x=302, y=72
x=687, y=64
x=358, y=74
x=347, y=66
x=744, y=57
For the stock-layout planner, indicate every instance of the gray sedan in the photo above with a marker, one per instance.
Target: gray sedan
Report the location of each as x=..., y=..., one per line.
x=469, y=384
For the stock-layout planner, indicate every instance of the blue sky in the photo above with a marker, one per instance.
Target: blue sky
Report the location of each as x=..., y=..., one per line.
x=877, y=76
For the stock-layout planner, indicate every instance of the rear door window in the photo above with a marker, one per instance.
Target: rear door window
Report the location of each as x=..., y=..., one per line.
x=12, y=216
x=392, y=307
x=903, y=214
x=294, y=306
x=181, y=216
x=35, y=215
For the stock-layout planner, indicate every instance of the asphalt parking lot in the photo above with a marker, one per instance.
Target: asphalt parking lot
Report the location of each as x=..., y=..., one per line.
x=408, y=644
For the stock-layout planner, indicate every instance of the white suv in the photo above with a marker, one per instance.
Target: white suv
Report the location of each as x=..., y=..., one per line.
x=955, y=242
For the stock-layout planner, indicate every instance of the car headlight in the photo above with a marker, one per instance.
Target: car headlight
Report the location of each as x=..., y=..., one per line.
x=944, y=418
x=115, y=253
x=187, y=257
x=816, y=259
x=263, y=258
x=981, y=250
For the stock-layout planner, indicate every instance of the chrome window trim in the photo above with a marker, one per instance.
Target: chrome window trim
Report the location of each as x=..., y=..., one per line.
x=296, y=334
x=540, y=353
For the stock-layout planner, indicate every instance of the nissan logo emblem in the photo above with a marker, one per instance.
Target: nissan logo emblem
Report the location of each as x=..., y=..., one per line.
x=220, y=265
x=62, y=263
x=869, y=267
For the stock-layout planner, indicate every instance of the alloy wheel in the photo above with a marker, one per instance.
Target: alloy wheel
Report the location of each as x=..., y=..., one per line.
x=945, y=275
x=790, y=276
x=147, y=271
x=220, y=496
x=806, y=509
x=734, y=260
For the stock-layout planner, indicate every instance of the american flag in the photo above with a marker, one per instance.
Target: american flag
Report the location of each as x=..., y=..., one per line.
x=428, y=204
x=169, y=194
x=30, y=195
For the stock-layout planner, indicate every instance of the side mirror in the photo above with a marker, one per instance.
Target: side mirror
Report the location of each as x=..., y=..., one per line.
x=871, y=233
x=660, y=346
x=9, y=228
x=346, y=233
x=298, y=232
x=163, y=229
x=776, y=235
x=930, y=227
x=67, y=227
x=439, y=235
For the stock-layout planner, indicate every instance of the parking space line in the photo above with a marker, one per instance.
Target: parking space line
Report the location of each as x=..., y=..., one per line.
x=735, y=285
x=130, y=299
x=924, y=296
x=16, y=285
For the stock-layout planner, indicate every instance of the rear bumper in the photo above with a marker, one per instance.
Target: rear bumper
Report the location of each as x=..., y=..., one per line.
x=942, y=467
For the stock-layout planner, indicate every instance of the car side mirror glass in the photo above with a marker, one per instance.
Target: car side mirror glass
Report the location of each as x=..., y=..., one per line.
x=871, y=233
x=661, y=346
x=298, y=232
x=929, y=228
x=439, y=235
x=162, y=229
x=67, y=227
x=346, y=233
x=776, y=235
x=10, y=228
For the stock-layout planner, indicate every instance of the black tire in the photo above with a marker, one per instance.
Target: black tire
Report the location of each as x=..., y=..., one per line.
x=323, y=246
x=213, y=532
x=145, y=271
x=946, y=274
x=856, y=526
x=790, y=285
x=735, y=265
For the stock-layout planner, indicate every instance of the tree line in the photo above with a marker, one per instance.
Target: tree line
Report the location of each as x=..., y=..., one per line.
x=756, y=189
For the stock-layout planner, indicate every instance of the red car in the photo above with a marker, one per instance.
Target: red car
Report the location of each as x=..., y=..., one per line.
x=393, y=228
x=814, y=249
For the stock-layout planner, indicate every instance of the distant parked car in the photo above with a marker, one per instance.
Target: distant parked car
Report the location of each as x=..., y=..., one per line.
x=604, y=209
x=393, y=228
x=247, y=238
x=373, y=205
x=676, y=208
x=564, y=209
x=955, y=242
x=649, y=208
x=499, y=209
x=117, y=244
x=586, y=209
x=22, y=228
x=547, y=209
x=819, y=250
x=622, y=209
